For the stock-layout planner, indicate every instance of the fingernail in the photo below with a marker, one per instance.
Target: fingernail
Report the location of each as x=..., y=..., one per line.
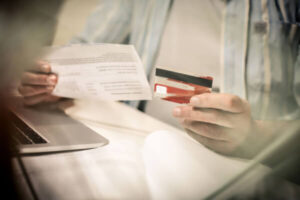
x=194, y=100
x=52, y=79
x=46, y=68
x=176, y=112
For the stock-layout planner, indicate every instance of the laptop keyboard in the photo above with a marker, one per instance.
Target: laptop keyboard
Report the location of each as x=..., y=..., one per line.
x=24, y=134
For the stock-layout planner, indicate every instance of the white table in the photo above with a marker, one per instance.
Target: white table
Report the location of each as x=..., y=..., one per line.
x=100, y=172
x=117, y=170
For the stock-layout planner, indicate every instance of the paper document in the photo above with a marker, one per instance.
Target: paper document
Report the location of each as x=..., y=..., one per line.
x=99, y=71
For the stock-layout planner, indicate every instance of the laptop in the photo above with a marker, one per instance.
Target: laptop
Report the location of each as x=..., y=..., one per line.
x=45, y=130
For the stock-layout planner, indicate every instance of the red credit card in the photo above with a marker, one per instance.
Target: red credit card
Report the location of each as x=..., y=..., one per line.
x=179, y=87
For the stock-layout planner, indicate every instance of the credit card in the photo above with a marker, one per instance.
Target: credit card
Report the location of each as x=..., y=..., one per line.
x=179, y=87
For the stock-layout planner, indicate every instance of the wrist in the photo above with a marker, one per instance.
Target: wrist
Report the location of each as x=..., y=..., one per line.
x=260, y=134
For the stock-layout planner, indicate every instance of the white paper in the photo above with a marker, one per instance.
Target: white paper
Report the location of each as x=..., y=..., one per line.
x=99, y=71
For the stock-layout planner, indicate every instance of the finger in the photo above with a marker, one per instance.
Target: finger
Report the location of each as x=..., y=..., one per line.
x=31, y=90
x=38, y=79
x=30, y=101
x=42, y=66
x=223, y=147
x=52, y=98
x=226, y=102
x=207, y=130
x=211, y=116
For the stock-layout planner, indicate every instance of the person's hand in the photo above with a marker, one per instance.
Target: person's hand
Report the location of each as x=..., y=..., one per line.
x=221, y=122
x=36, y=85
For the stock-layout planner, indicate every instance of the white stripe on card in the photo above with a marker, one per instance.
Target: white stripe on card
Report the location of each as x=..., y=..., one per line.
x=161, y=89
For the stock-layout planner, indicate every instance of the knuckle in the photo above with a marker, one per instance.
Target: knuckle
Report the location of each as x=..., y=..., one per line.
x=42, y=78
x=21, y=90
x=233, y=102
x=230, y=102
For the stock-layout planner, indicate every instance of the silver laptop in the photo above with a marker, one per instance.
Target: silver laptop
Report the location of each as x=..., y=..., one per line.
x=43, y=130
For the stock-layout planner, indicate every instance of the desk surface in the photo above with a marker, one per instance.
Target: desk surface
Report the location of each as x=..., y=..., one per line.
x=113, y=171
x=117, y=170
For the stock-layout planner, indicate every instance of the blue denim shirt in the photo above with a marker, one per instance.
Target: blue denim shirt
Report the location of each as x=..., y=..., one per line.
x=261, y=46
x=261, y=56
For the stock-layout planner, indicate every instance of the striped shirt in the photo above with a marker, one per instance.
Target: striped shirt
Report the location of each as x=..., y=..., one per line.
x=261, y=56
x=261, y=61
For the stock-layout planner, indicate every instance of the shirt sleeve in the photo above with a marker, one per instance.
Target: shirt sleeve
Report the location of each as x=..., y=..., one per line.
x=291, y=9
x=109, y=23
x=296, y=86
x=297, y=78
